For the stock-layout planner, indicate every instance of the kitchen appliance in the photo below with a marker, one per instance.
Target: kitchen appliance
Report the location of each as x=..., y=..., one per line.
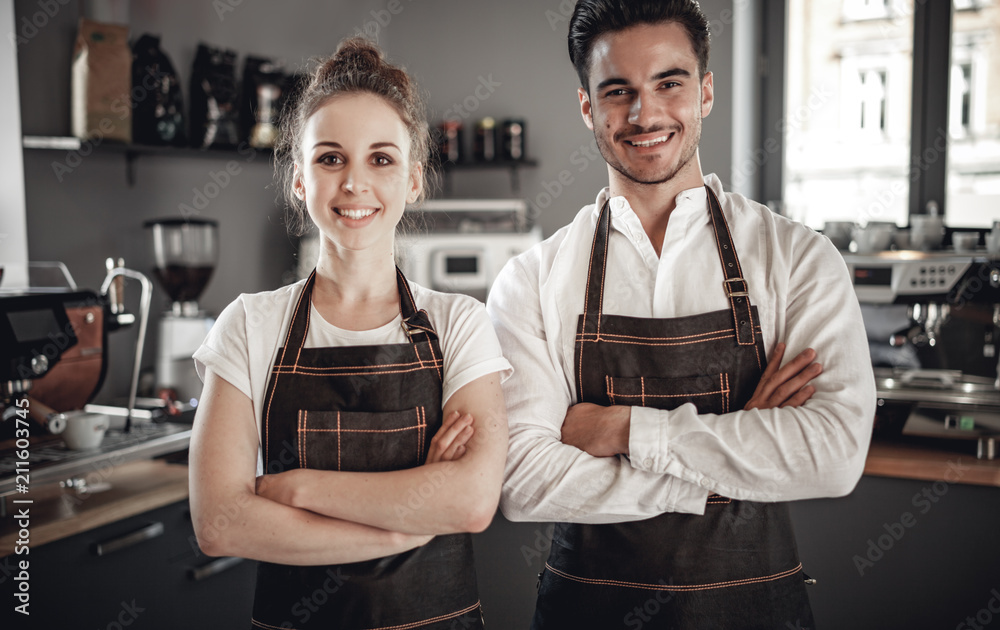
x=185, y=253
x=53, y=348
x=465, y=243
x=933, y=324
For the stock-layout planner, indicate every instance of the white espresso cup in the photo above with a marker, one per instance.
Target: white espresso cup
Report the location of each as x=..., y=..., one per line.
x=84, y=430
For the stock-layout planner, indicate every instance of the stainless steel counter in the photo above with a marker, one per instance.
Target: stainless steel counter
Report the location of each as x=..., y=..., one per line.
x=51, y=463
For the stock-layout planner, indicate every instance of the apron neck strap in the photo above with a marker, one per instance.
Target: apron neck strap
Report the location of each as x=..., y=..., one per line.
x=416, y=323
x=734, y=284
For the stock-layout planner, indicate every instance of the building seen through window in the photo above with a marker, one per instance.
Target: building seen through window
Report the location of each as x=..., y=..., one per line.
x=850, y=83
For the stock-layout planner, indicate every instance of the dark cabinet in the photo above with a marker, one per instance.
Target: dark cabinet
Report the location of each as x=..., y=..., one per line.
x=144, y=572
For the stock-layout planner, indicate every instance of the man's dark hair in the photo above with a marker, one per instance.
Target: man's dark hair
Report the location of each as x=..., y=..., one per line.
x=593, y=18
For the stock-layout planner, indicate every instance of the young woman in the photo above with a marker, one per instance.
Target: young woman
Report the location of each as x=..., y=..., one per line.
x=352, y=429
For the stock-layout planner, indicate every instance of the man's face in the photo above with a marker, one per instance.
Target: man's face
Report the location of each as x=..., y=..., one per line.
x=646, y=102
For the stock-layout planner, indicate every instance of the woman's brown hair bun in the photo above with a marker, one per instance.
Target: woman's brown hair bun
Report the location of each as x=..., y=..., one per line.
x=358, y=65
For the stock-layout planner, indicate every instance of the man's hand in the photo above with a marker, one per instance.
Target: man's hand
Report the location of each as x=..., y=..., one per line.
x=787, y=386
x=448, y=444
x=599, y=431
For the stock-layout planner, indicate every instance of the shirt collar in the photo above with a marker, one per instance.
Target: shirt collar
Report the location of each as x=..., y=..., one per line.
x=689, y=202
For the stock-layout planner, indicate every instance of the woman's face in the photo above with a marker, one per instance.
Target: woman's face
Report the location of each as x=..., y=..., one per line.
x=355, y=175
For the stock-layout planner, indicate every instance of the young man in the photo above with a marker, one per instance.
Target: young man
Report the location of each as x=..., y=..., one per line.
x=648, y=416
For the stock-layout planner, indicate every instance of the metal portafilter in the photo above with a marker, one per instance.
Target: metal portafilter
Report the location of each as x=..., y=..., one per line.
x=927, y=320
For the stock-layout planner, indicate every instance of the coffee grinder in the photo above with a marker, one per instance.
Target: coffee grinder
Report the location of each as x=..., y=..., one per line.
x=186, y=252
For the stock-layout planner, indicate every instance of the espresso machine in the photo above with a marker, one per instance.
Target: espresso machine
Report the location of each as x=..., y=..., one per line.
x=185, y=254
x=933, y=324
x=54, y=347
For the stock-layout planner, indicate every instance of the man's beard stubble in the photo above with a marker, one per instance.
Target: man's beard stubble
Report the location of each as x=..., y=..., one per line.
x=612, y=160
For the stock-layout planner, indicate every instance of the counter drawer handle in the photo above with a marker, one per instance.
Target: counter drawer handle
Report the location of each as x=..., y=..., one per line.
x=103, y=548
x=214, y=567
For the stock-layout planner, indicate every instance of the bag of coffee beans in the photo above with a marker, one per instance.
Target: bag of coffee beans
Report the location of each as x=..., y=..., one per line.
x=157, y=114
x=101, y=82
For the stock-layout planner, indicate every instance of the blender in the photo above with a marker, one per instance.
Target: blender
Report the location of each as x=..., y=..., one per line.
x=185, y=253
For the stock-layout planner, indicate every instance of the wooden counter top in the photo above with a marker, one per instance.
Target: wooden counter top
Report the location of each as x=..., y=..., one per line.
x=910, y=461
x=57, y=513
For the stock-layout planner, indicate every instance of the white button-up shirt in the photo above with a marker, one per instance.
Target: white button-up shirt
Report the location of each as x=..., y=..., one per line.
x=804, y=296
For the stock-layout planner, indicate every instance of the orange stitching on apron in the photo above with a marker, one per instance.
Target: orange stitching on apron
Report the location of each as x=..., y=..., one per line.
x=717, y=499
x=361, y=367
x=617, y=336
x=339, y=430
x=609, y=387
x=308, y=318
x=725, y=378
x=723, y=334
x=274, y=382
x=338, y=440
x=436, y=362
x=645, y=395
x=301, y=437
x=640, y=343
x=417, y=624
x=642, y=392
x=586, y=298
x=312, y=371
x=692, y=587
x=417, y=352
x=757, y=353
x=267, y=626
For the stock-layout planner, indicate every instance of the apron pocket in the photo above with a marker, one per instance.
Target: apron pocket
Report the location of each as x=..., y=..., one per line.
x=709, y=393
x=361, y=441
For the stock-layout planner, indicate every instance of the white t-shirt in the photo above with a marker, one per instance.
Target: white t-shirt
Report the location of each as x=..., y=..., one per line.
x=243, y=343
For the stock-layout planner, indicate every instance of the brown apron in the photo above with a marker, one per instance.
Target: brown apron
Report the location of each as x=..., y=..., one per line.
x=734, y=567
x=362, y=408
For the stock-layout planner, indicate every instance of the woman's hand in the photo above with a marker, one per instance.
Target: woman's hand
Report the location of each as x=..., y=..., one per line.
x=448, y=444
x=280, y=488
x=789, y=385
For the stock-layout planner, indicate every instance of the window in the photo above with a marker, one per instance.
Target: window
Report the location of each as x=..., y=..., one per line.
x=872, y=150
x=856, y=10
